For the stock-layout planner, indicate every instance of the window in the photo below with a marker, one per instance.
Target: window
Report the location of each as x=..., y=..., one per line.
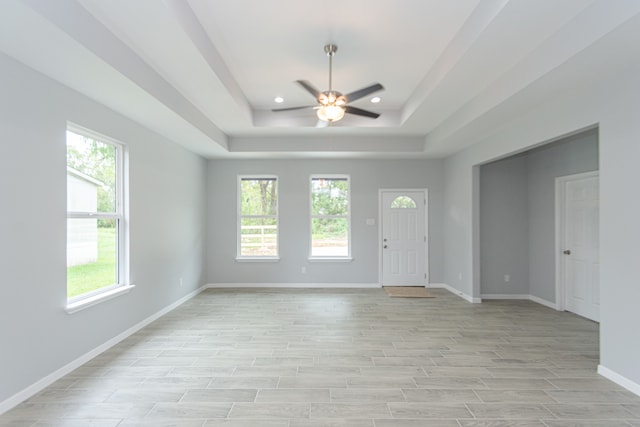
x=403, y=202
x=258, y=217
x=96, y=239
x=330, y=217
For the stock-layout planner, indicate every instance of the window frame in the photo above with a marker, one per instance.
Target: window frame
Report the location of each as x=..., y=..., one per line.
x=120, y=215
x=239, y=217
x=344, y=258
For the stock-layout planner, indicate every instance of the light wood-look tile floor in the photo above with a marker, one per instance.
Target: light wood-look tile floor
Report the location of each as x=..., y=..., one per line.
x=302, y=358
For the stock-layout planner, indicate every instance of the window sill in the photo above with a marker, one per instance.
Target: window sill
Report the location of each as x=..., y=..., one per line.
x=330, y=259
x=258, y=259
x=79, y=305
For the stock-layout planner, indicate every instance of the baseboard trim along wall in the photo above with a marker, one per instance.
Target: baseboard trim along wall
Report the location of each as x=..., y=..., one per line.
x=522, y=296
x=295, y=285
x=454, y=291
x=619, y=379
x=43, y=383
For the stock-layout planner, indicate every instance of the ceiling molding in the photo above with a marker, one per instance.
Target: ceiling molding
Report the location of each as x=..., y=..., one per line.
x=78, y=23
x=328, y=143
x=205, y=74
x=193, y=28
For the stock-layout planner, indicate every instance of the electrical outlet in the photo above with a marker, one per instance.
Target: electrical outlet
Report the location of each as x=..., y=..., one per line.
x=303, y=270
x=180, y=282
x=507, y=278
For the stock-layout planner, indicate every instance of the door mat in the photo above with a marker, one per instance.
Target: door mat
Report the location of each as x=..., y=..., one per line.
x=407, y=292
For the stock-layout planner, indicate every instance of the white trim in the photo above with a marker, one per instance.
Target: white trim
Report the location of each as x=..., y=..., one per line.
x=426, y=229
x=257, y=259
x=454, y=291
x=560, y=220
x=505, y=296
x=625, y=382
x=46, y=381
x=532, y=298
x=544, y=302
x=82, y=303
x=295, y=285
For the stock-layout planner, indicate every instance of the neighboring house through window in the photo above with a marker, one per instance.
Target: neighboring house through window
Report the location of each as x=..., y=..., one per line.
x=257, y=217
x=330, y=217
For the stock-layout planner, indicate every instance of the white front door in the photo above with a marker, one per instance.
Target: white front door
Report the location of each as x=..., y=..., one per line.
x=581, y=270
x=404, y=238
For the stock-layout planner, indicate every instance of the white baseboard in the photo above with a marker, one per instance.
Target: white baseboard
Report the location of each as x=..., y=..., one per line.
x=544, y=302
x=454, y=291
x=504, y=296
x=295, y=285
x=521, y=297
x=633, y=387
x=43, y=383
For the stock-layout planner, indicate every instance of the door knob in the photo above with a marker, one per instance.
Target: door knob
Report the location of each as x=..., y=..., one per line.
x=385, y=246
x=566, y=252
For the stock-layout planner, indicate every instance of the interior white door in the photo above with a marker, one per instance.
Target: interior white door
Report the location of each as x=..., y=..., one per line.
x=403, y=238
x=581, y=247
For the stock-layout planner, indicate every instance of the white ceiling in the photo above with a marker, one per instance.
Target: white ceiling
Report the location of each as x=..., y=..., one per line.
x=205, y=73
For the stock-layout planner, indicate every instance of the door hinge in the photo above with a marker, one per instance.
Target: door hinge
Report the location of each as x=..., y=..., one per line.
x=425, y=275
x=425, y=239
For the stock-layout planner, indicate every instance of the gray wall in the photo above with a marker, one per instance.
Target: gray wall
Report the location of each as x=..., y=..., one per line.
x=575, y=155
x=517, y=215
x=367, y=176
x=611, y=102
x=504, y=231
x=167, y=207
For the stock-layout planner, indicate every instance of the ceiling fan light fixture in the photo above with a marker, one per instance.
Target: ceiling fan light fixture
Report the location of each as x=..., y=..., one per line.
x=330, y=113
x=332, y=105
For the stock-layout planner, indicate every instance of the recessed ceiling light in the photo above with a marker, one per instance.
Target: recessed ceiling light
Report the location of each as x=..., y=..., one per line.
x=279, y=99
x=375, y=99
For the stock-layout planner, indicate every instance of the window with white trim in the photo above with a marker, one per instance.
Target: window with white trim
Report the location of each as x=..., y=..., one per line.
x=330, y=216
x=257, y=217
x=96, y=238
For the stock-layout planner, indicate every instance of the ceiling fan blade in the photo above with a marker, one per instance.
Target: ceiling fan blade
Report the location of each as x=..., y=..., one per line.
x=309, y=88
x=363, y=92
x=360, y=112
x=275, y=110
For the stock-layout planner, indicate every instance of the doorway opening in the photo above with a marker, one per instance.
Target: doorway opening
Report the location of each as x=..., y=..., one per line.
x=517, y=246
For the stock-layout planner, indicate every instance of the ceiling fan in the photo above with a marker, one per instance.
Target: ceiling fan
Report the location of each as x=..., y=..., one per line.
x=331, y=104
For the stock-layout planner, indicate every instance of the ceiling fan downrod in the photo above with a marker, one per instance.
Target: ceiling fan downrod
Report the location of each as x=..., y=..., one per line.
x=330, y=50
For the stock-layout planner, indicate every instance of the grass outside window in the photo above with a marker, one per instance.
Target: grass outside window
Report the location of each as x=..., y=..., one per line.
x=91, y=276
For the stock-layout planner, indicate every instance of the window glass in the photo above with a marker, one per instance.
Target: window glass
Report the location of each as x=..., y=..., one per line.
x=258, y=219
x=330, y=217
x=94, y=214
x=403, y=202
